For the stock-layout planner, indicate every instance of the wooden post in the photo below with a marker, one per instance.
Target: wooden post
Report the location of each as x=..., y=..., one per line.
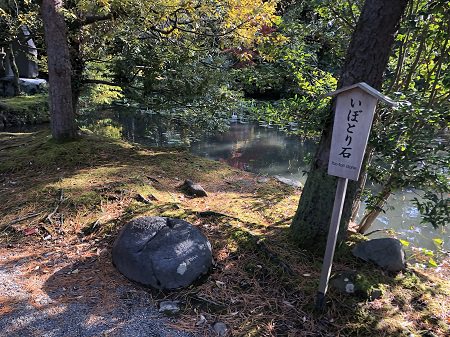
x=339, y=198
x=355, y=108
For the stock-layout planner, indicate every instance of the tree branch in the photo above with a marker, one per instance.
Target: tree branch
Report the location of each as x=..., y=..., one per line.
x=29, y=216
x=94, y=81
x=347, y=23
x=88, y=20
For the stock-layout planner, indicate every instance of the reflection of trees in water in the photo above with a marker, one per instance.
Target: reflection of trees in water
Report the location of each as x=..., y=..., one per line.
x=244, y=146
x=253, y=148
x=148, y=129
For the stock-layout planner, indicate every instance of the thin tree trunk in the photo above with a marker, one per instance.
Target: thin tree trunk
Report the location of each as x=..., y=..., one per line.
x=400, y=61
x=371, y=215
x=59, y=71
x=366, y=61
x=430, y=57
x=402, y=54
x=361, y=183
x=413, y=67
x=442, y=59
x=15, y=70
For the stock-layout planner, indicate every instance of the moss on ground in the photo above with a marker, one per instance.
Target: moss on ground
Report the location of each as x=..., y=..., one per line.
x=24, y=102
x=24, y=109
x=263, y=284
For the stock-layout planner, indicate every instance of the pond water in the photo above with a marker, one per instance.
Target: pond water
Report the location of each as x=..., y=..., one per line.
x=265, y=151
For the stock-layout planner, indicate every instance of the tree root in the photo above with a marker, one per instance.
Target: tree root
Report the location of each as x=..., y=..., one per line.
x=274, y=257
x=49, y=217
x=205, y=214
x=26, y=217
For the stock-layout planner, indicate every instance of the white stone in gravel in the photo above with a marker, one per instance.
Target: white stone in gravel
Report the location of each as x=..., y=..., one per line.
x=220, y=329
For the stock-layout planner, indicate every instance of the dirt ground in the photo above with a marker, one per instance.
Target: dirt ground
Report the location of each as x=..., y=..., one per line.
x=62, y=205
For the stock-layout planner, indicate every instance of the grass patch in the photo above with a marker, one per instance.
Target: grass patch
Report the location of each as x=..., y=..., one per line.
x=24, y=102
x=262, y=283
x=25, y=109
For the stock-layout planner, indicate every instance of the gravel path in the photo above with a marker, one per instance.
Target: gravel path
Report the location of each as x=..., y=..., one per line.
x=44, y=294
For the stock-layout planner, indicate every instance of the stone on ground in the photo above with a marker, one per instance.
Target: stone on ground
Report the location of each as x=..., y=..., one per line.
x=163, y=253
x=386, y=253
x=220, y=329
x=169, y=307
x=350, y=283
x=192, y=189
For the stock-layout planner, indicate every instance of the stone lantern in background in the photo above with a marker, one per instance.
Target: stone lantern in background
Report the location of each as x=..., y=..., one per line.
x=24, y=56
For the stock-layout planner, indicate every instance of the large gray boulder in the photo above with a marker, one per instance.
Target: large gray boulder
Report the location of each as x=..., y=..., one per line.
x=386, y=253
x=163, y=253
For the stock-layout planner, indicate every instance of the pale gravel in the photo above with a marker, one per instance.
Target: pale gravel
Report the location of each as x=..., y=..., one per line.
x=134, y=316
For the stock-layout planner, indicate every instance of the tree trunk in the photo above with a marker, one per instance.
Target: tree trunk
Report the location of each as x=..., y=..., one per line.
x=442, y=59
x=59, y=71
x=370, y=215
x=366, y=61
x=15, y=70
x=77, y=63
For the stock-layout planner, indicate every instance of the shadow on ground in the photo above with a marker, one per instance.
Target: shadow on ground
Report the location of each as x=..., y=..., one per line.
x=85, y=298
x=63, y=283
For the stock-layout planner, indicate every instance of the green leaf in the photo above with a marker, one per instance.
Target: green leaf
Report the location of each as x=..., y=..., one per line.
x=404, y=242
x=427, y=252
x=432, y=263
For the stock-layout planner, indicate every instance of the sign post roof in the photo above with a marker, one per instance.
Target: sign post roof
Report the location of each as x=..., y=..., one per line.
x=368, y=89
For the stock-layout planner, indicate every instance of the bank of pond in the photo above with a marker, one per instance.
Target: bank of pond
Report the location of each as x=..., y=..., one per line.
x=262, y=148
x=267, y=150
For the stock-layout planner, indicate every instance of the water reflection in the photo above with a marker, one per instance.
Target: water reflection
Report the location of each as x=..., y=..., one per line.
x=260, y=150
x=145, y=128
x=405, y=219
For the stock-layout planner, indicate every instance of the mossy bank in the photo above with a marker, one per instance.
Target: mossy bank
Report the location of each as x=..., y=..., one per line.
x=22, y=110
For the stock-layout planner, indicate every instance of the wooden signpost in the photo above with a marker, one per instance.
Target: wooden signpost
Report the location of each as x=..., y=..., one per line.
x=355, y=108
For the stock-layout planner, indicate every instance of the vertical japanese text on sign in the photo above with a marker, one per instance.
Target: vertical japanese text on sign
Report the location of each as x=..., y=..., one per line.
x=353, y=118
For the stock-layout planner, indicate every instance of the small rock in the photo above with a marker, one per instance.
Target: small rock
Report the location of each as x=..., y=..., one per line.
x=169, y=307
x=351, y=283
x=386, y=253
x=262, y=180
x=192, y=189
x=141, y=198
x=350, y=288
x=344, y=282
x=201, y=321
x=220, y=329
x=375, y=294
x=290, y=182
